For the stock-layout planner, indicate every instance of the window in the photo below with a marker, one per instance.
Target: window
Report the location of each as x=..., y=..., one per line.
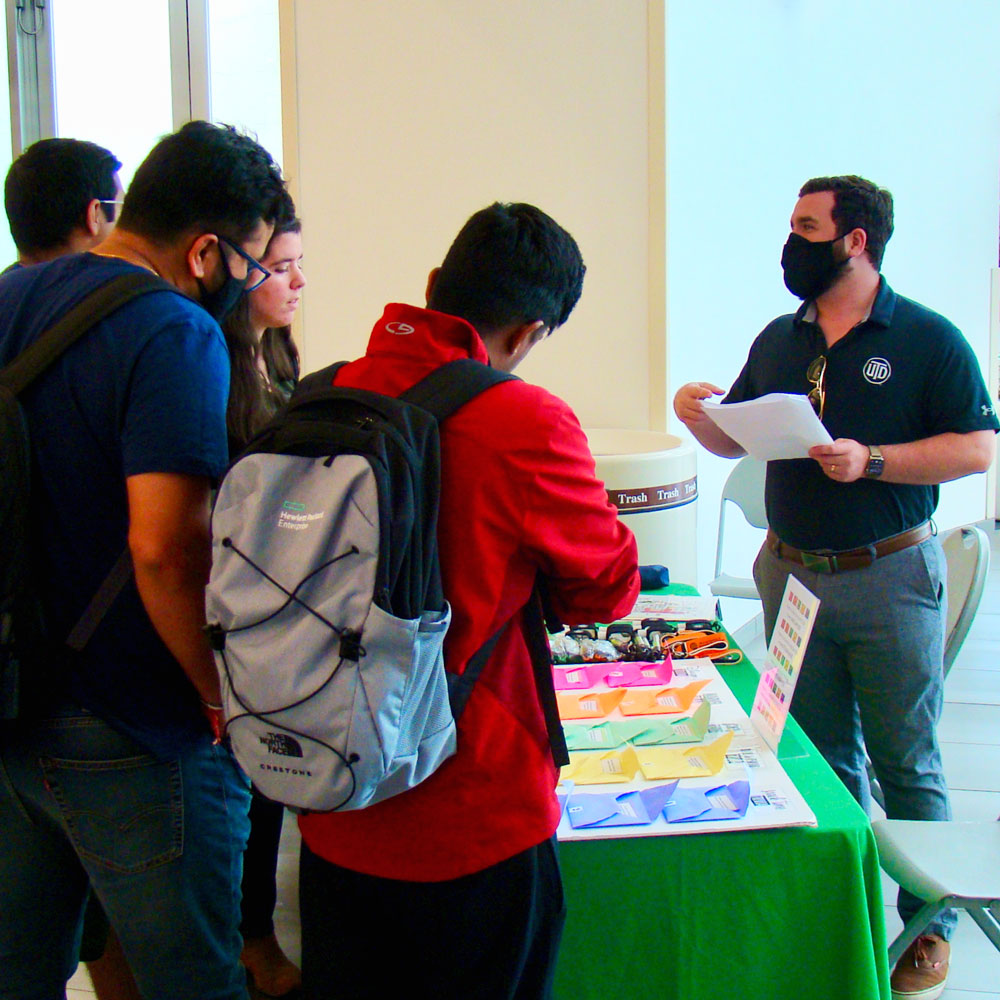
x=245, y=72
x=124, y=73
x=112, y=75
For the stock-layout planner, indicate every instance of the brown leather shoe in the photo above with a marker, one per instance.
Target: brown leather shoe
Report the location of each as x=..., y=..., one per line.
x=922, y=970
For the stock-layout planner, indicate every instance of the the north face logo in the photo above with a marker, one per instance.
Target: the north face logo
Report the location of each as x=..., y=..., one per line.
x=876, y=371
x=281, y=744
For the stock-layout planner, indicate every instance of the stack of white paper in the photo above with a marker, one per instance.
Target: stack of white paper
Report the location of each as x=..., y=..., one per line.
x=778, y=425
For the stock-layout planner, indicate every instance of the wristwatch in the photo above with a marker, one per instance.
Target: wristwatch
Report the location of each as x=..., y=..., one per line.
x=876, y=463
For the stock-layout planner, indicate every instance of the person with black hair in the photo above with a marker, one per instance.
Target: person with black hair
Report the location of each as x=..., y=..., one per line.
x=452, y=888
x=61, y=197
x=900, y=391
x=117, y=777
x=263, y=375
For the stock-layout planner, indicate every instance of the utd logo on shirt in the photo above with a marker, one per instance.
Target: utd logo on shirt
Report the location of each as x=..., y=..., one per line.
x=876, y=371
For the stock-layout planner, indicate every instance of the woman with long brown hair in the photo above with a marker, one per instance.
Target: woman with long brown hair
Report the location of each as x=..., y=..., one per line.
x=264, y=358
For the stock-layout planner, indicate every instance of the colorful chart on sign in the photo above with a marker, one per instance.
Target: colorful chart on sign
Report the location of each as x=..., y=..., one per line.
x=785, y=654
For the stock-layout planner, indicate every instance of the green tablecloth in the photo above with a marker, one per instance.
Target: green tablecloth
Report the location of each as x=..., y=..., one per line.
x=758, y=915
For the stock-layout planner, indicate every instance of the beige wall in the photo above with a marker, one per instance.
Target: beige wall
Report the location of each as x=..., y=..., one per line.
x=405, y=116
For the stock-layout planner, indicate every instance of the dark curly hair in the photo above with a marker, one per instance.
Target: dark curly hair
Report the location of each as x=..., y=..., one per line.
x=204, y=177
x=49, y=187
x=858, y=204
x=510, y=264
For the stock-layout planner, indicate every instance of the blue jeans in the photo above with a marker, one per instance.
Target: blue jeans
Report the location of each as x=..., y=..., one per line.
x=160, y=842
x=873, y=677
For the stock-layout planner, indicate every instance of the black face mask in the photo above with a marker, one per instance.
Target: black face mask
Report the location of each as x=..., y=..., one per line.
x=220, y=303
x=810, y=268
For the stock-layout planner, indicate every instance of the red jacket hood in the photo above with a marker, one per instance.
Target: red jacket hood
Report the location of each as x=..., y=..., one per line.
x=425, y=336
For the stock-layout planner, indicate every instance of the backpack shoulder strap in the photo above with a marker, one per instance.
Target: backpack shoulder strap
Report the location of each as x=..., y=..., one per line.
x=58, y=338
x=100, y=603
x=535, y=616
x=452, y=386
x=38, y=357
x=315, y=382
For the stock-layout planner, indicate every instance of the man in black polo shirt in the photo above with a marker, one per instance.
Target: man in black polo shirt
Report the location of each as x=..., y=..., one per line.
x=900, y=390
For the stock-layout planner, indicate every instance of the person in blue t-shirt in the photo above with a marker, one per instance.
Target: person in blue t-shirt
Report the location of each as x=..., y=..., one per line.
x=62, y=196
x=114, y=778
x=900, y=391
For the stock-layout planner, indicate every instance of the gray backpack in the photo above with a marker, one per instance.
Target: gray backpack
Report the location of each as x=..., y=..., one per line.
x=325, y=603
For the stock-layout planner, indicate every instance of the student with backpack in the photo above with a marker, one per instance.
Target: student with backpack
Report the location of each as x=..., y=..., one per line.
x=264, y=369
x=112, y=774
x=61, y=197
x=452, y=888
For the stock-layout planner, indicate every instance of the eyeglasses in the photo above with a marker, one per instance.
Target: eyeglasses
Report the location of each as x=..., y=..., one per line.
x=250, y=282
x=816, y=373
x=113, y=214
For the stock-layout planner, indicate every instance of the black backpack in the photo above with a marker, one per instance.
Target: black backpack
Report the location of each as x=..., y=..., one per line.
x=28, y=654
x=325, y=602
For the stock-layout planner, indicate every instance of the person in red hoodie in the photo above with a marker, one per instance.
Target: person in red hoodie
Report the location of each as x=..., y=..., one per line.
x=452, y=889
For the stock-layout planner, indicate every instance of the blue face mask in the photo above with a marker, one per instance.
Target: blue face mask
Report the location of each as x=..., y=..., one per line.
x=810, y=267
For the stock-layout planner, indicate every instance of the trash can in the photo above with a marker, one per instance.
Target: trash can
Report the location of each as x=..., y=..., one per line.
x=652, y=479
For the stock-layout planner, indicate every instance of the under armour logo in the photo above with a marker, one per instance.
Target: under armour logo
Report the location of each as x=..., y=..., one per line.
x=876, y=371
x=987, y=410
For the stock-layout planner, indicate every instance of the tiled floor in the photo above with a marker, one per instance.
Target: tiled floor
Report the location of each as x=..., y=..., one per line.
x=970, y=738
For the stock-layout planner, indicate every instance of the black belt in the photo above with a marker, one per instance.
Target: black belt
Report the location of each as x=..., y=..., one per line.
x=840, y=562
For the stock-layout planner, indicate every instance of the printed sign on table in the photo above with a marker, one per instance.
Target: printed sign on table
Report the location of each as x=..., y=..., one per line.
x=796, y=617
x=672, y=607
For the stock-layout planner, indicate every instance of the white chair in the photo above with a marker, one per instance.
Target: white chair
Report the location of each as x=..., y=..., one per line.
x=745, y=489
x=946, y=865
x=967, y=552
